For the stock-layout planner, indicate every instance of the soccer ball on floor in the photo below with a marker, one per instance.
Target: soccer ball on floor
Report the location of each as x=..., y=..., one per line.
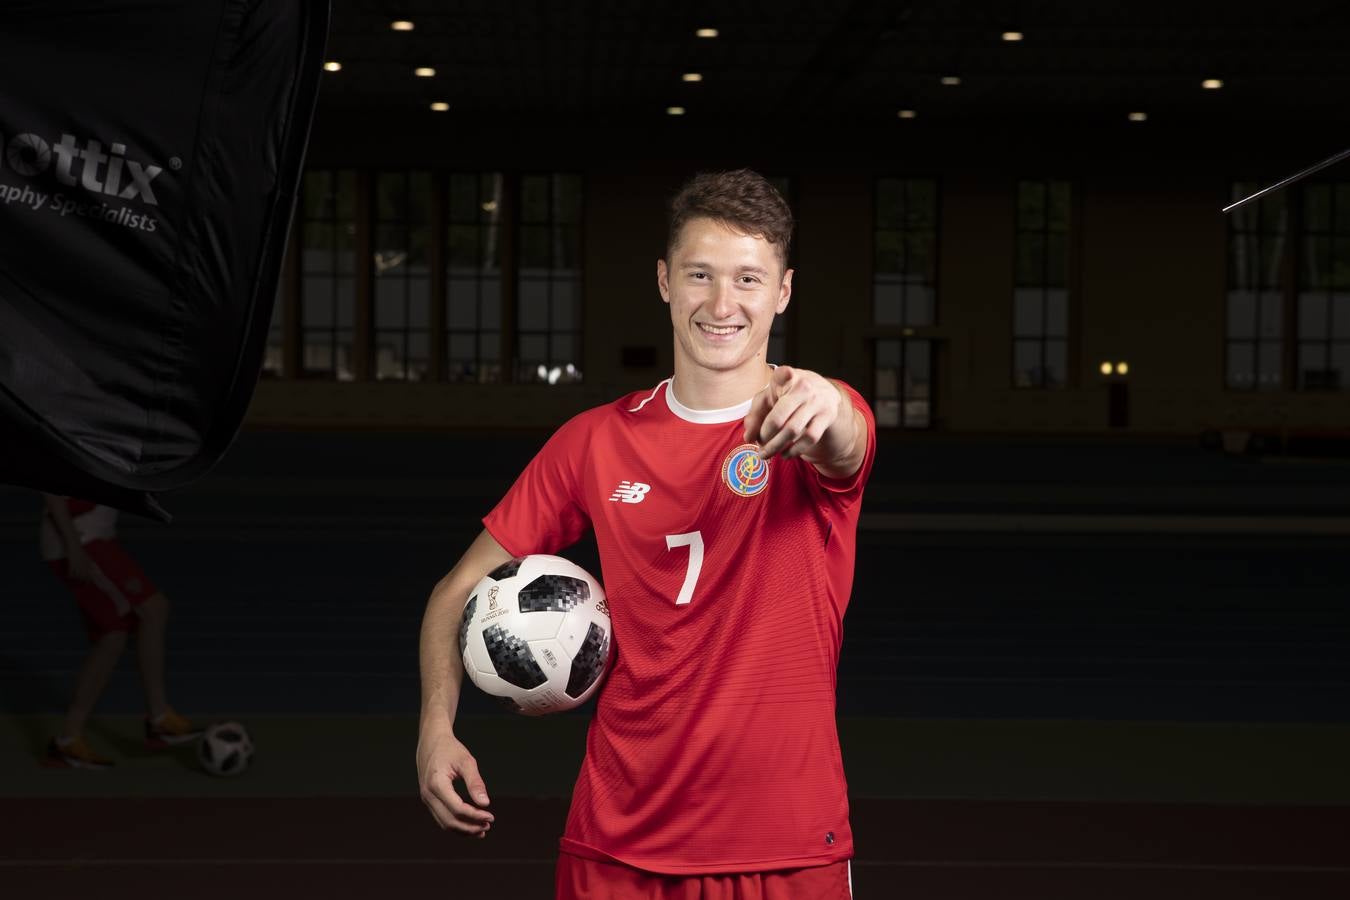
x=536, y=633
x=225, y=749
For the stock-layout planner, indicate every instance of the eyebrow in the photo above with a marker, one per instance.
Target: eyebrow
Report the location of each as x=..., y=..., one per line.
x=698, y=264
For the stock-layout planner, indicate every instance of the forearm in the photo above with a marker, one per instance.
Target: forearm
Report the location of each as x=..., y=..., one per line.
x=441, y=664
x=438, y=649
x=844, y=444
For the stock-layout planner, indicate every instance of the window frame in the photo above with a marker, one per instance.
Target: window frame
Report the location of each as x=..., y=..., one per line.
x=1044, y=337
x=362, y=280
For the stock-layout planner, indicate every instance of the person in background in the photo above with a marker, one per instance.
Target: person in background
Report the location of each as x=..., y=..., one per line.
x=79, y=542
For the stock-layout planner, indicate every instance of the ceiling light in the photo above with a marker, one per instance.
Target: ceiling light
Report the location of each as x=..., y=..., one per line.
x=332, y=66
x=1122, y=368
x=674, y=110
x=489, y=206
x=1138, y=117
x=1012, y=35
x=907, y=114
x=402, y=25
x=440, y=106
x=706, y=32
x=1212, y=84
x=951, y=80
x=692, y=76
x=424, y=72
x=1107, y=368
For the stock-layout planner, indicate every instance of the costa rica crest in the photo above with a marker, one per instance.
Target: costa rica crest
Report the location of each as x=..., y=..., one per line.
x=744, y=472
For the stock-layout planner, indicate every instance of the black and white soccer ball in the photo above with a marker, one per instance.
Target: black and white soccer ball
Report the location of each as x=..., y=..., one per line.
x=536, y=633
x=225, y=749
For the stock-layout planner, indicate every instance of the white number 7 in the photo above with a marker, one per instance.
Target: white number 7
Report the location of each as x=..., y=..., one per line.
x=694, y=541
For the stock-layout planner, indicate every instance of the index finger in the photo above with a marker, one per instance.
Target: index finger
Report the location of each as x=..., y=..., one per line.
x=759, y=410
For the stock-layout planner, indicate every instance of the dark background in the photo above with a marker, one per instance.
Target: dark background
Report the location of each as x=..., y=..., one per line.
x=1098, y=639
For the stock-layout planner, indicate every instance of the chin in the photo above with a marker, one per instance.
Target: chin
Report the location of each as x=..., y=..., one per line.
x=722, y=363
x=727, y=358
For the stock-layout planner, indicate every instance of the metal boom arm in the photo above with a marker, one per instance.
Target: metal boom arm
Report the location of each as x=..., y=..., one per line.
x=1331, y=160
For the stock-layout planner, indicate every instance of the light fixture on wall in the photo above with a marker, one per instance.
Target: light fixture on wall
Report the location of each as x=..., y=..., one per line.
x=402, y=25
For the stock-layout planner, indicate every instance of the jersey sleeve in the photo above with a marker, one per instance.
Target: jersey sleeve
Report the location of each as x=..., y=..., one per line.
x=544, y=511
x=845, y=492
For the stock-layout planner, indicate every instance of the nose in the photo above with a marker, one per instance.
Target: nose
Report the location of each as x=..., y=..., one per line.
x=723, y=305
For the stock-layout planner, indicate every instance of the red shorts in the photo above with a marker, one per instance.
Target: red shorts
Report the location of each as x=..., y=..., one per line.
x=588, y=879
x=108, y=601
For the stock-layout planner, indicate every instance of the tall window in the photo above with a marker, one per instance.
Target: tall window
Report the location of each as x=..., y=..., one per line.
x=328, y=273
x=410, y=275
x=402, y=273
x=473, y=298
x=1257, y=239
x=904, y=379
x=1041, y=285
x=905, y=269
x=548, y=278
x=904, y=297
x=1324, y=288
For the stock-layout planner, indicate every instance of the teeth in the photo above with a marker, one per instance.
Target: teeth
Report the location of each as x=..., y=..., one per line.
x=730, y=329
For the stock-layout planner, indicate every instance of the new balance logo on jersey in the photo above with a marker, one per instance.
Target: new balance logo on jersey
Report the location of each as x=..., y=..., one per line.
x=630, y=492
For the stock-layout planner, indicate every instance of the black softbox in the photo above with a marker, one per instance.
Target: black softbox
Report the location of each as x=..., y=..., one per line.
x=150, y=154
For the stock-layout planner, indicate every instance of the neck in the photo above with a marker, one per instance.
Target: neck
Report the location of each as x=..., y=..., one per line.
x=699, y=388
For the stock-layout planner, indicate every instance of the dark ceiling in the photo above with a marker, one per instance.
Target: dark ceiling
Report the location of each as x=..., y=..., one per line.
x=621, y=61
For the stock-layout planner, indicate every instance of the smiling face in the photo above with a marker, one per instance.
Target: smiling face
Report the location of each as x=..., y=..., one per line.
x=723, y=287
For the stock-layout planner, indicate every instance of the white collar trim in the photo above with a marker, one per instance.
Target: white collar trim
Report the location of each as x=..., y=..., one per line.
x=705, y=416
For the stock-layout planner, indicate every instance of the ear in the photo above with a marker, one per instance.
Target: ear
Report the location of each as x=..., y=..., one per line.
x=784, y=293
x=663, y=279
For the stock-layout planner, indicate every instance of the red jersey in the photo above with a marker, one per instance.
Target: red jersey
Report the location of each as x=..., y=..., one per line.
x=92, y=523
x=713, y=747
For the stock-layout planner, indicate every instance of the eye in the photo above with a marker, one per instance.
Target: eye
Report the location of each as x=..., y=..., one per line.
x=749, y=279
x=699, y=275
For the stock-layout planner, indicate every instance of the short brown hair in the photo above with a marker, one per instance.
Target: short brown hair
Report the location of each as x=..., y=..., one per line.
x=742, y=199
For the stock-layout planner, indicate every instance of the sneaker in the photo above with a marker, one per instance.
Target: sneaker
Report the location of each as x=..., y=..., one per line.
x=169, y=730
x=76, y=754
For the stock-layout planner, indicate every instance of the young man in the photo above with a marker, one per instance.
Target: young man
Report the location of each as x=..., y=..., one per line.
x=712, y=764
x=79, y=542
